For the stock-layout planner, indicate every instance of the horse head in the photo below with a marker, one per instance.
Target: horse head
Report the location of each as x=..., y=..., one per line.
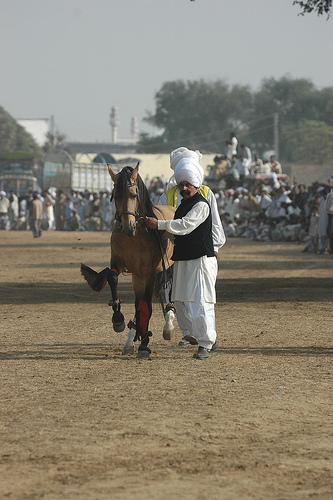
x=126, y=196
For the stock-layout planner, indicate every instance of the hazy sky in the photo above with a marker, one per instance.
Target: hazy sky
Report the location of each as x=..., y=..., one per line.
x=75, y=59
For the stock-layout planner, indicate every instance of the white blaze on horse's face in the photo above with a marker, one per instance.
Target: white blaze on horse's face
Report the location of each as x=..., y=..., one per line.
x=127, y=205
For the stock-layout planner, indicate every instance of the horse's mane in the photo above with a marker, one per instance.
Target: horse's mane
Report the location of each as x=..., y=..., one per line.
x=145, y=204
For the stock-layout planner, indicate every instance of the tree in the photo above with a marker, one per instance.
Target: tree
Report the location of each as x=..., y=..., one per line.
x=53, y=141
x=319, y=6
x=294, y=100
x=312, y=142
x=197, y=113
x=200, y=115
x=13, y=137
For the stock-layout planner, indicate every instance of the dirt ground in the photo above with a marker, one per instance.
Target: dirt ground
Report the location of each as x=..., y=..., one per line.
x=81, y=421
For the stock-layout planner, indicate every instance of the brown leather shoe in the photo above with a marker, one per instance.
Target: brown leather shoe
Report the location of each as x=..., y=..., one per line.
x=191, y=340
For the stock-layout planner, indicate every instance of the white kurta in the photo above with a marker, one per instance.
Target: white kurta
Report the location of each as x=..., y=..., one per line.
x=190, y=275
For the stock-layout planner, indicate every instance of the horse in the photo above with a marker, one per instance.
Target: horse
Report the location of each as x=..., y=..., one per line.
x=139, y=251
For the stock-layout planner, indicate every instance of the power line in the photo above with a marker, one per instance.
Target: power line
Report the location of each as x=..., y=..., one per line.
x=219, y=133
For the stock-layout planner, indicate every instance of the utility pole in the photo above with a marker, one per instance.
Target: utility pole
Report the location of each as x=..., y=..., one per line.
x=134, y=129
x=52, y=126
x=114, y=122
x=276, y=134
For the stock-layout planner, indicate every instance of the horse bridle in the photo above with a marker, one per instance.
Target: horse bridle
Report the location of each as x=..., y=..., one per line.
x=127, y=212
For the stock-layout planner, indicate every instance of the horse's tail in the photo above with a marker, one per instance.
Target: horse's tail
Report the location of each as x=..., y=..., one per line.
x=96, y=281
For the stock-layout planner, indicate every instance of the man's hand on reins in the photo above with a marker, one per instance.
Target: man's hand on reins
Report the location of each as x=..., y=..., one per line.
x=151, y=222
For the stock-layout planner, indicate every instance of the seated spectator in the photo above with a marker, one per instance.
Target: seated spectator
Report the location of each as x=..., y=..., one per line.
x=256, y=164
x=252, y=203
x=274, y=165
x=265, y=199
x=242, y=165
x=265, y=168
x=219, y=169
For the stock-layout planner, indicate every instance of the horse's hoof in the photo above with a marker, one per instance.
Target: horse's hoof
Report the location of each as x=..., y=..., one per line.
x=118, y=327
x=118, y=321
x=143, y=353
x=128, y=349
x=168, y=334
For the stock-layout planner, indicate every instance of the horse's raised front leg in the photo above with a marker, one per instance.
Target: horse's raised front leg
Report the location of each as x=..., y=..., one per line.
x=97, y=282
x=118, y=320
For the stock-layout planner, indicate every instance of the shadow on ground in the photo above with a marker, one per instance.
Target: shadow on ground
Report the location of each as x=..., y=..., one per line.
x=228, y=290
x=103, y=351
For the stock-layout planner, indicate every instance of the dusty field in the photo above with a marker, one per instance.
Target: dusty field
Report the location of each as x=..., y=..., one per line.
x=81, y=421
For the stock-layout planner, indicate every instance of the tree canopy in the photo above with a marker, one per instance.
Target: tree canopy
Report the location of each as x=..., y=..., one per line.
x=202, y=114
x=312, y=142
x=13, y=137
x=197, y=112
x=319, y=6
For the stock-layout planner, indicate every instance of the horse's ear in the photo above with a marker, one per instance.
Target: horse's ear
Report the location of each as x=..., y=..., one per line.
x=135, y=172
x=112, y=173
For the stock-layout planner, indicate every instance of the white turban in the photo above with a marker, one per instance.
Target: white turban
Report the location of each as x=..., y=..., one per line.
x=189, y=170
x=180, y=153
x=3, y=193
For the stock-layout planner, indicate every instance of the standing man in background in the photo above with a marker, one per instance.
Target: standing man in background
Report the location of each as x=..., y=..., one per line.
x=36, y=215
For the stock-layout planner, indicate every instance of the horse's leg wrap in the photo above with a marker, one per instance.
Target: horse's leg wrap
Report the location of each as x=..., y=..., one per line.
x=118, y=319
x=113, y=282
x=170, y=307
x=143, y=313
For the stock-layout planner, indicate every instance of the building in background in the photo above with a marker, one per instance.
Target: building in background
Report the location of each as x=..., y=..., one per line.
x=37, y=127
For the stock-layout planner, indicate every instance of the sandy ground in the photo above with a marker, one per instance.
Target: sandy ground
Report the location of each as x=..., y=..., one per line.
x=81, y=421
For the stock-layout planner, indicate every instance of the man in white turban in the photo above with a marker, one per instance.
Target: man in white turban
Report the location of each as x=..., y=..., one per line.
x=173, y=197
x=181, y=153
x=183, y=156
x=195, y=268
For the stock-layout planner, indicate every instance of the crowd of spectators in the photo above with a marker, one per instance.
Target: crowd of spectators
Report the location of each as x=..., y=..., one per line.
x=262, y=207
x=284, y=213
x=77, y=210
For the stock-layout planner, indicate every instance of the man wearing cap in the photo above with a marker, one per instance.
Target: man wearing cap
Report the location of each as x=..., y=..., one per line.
x=195, y=268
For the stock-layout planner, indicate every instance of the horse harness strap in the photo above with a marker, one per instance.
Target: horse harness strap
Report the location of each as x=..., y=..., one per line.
x=127, y=212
